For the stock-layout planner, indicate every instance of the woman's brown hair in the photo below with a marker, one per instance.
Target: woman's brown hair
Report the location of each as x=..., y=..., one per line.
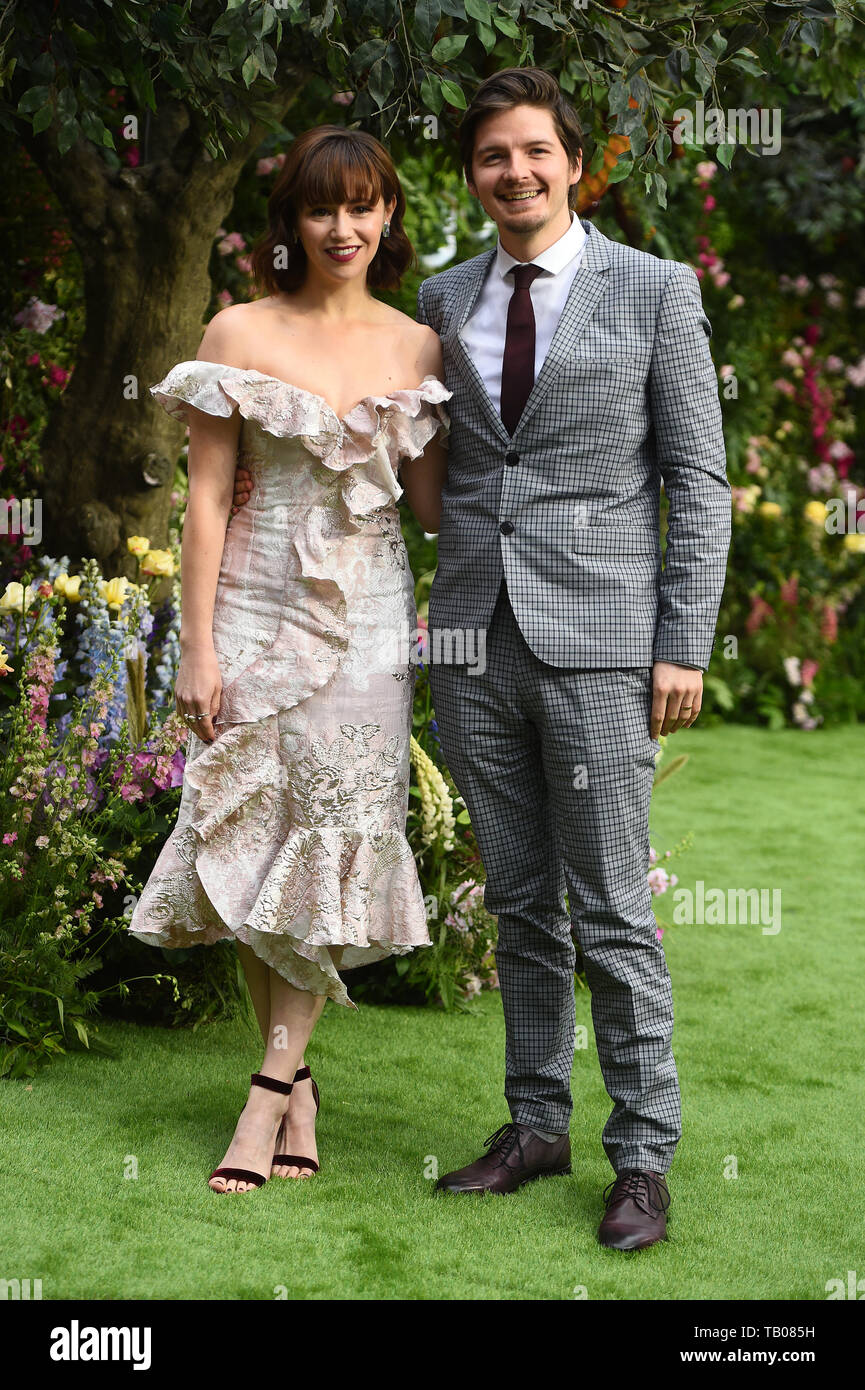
x=330, y=164
x=522, y=87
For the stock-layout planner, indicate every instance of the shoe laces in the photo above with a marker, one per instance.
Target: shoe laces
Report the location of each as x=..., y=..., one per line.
x=640, y=1185
x=502, y=1140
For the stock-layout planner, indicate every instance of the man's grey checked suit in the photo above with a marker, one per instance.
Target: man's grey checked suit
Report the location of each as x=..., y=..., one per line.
x=550, y=744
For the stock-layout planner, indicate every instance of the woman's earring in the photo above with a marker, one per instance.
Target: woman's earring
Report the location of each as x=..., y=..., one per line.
x=385, y=231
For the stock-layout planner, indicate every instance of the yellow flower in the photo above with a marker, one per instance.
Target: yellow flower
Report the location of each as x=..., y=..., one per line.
x=68, y=586
x=114, y=591
x=817, y=512
x=855, y=541
x=15, y=600
x=5, y=668
x=769, y=509
x=138, y=545
x=158, y=562
x=437, y=811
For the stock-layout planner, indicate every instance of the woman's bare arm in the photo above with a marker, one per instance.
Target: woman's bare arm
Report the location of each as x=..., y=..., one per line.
x=424, y=477
x=211, y=461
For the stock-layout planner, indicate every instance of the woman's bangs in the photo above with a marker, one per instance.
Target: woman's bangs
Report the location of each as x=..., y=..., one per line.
x=336, y=175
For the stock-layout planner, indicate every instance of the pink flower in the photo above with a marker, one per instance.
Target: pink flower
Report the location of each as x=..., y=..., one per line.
x=809, y=670
x=785, y=387
x=839, y=450
x=829, y=624
x=822, y=478
x=232, y=242
x=659, y=881
x=38, y=316
x=856, y=375
x=10, y=837
x=709, y=203
x=760, y=612
x=790, y=590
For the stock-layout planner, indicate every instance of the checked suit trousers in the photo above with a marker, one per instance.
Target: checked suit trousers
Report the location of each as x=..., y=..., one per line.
x=555, y=765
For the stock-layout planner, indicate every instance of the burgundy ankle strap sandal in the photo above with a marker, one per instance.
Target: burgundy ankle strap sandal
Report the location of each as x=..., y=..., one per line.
x=271, y=1083
x=295, y=1160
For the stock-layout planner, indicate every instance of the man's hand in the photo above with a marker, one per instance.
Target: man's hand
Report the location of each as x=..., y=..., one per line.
x=677, y=695
x=242, y=488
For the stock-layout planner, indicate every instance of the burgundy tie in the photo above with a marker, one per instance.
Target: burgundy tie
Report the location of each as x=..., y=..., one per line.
x=518, y=363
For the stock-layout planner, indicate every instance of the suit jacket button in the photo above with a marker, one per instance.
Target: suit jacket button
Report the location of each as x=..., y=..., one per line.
x=506, y=528
x=512, y=457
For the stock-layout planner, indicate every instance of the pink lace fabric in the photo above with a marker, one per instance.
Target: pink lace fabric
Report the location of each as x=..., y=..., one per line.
x=290, y=835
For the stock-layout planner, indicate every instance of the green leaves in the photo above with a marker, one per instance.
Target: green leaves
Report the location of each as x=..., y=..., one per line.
x=427, y=14
x=380, y=82
x=453, y=93
x=449, y=47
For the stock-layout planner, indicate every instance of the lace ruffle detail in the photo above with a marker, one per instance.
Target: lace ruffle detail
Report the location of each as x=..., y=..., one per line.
x=365, y=449
x=382, y=429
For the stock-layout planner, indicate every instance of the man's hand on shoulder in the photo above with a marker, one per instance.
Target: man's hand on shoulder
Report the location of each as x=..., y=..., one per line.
x=242, y=488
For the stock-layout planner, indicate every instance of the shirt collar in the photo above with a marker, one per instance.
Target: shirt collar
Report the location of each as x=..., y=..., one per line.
x=555, y=258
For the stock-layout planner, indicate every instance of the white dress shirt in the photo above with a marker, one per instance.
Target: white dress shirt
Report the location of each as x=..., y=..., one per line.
x=485, y=330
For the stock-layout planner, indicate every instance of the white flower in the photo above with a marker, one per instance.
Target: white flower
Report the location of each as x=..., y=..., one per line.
x=37, y=316
x=792, y=670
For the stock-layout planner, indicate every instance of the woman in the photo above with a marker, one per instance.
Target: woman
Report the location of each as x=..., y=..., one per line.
x=296, y=675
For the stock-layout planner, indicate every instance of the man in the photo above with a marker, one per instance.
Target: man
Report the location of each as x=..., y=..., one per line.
x=581, y=376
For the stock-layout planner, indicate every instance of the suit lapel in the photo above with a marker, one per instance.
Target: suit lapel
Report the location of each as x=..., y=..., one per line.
x=590, y=283
x=464, y=302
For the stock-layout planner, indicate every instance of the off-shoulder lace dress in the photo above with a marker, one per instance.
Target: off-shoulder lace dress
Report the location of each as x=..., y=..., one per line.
x=290, y=835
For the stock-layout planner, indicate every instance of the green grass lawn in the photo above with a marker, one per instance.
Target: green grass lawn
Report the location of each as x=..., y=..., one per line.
x=769, y=1049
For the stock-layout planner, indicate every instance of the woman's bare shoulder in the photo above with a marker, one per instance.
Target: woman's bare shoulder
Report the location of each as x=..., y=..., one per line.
x=425, y=346
x=227, y=336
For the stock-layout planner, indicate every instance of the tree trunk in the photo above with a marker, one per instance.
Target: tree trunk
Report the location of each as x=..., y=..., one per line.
x=145, y=237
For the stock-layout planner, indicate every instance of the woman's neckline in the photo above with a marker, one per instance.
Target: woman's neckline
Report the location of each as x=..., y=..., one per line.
x=301, y=390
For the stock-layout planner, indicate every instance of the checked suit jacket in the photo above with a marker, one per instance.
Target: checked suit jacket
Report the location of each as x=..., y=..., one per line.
x=567, y=509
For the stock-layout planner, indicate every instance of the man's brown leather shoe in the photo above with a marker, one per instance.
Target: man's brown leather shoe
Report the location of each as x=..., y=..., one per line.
x=516, y=1156
x=636, y=1210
